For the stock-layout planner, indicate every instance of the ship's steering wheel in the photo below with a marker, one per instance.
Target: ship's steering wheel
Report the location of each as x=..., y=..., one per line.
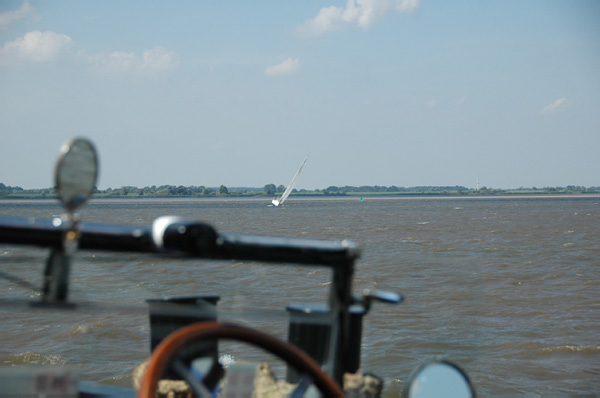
x=166, y=353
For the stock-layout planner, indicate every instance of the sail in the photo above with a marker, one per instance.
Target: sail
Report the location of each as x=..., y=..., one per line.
x=289, y=188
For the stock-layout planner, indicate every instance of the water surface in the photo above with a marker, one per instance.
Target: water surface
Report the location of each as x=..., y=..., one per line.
x=506, y=287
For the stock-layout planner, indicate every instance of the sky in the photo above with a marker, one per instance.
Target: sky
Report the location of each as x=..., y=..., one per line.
x=238, y=93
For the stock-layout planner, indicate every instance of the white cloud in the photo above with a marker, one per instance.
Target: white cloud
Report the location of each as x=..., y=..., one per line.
x=431, y=103
x=158, y=59
x=460, y=100
x=8, y=17
x=287, y=67
x=35, y=46
x=553, y=107
x=43, y=47
x=152, y=62
x=359, y=13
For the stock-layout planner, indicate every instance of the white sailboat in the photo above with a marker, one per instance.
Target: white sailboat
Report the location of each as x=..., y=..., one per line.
x=279, y=201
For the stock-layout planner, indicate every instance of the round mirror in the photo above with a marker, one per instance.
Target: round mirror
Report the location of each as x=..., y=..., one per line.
x=438, y=378
x=76, y=173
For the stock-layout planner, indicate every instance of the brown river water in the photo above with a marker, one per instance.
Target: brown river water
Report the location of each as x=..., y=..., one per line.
x=507, y=287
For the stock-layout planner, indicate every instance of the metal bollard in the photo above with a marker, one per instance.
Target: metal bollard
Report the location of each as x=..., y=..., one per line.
x=169, y=314
x=310, y=329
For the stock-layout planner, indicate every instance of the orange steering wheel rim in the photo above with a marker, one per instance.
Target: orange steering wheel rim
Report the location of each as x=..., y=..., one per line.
x=166, y=351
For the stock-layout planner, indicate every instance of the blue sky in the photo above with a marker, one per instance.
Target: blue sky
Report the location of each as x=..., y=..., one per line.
x=403, y=92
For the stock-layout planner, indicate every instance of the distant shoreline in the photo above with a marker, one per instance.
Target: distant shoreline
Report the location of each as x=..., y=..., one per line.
x=271, y=191
x=347, y=197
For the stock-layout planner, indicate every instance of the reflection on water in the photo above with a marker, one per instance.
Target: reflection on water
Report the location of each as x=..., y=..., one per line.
x=507, y=288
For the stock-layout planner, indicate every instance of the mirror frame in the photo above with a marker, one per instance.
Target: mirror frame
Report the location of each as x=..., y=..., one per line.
x=78, y=199
x=406, y=391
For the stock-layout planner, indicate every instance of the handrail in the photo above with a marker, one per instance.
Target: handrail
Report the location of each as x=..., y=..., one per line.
x=182, y=237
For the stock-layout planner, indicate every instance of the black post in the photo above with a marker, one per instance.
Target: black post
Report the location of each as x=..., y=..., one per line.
x=340, y=301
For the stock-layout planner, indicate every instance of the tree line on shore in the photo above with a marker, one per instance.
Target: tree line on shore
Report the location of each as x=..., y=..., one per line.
x=272, y=189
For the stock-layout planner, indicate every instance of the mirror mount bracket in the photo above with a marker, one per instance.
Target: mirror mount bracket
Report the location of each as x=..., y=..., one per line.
x=76, y=174
x=56, y=277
